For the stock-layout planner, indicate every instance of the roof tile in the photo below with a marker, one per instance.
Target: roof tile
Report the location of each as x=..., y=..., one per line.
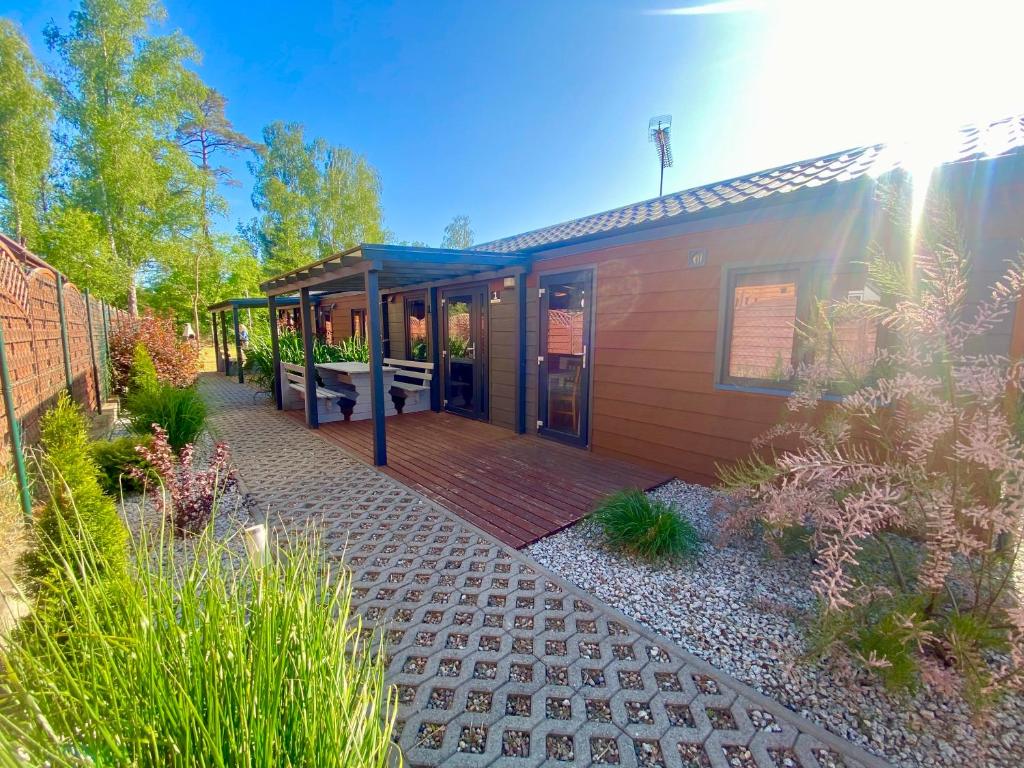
x=994, y=139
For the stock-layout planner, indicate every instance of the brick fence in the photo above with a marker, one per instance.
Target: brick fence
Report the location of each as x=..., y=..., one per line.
x=30, y=314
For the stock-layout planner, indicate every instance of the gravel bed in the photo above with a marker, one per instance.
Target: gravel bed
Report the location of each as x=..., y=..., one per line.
x=234, y=511
x=745, y=613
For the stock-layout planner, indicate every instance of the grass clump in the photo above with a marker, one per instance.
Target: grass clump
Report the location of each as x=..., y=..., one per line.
x=79, y=523
x=117, y=458
x=217, y=662
x=649, y=529
x=180, y=412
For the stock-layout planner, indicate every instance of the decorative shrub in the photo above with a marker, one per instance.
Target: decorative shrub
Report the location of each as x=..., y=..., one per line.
x=143, y=373
x=118, y=461
x=921, y=454
x=212, y=663
x=181, y=413
x=175, y=359
x=649, y=529
x=259, y=356
x=191, y=492
x=76, y=510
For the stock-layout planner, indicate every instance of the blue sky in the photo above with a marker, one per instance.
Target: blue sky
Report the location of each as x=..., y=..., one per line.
x=523, y=114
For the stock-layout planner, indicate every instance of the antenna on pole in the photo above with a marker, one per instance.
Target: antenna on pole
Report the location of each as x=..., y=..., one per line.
x=659, y=133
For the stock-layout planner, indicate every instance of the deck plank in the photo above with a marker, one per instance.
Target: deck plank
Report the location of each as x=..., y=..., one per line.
x=518, y=488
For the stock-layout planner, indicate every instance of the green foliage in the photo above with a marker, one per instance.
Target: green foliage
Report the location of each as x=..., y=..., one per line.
x=76, y=511
x=176, y=360
x=218, y=661
x=259, y=356
x=181, y=412
x=143, y=373
x=313, y=199
x=418, y=349
x=116, y=459
x=649, y=529
x=883, y=636
x=122, y=92
x=458, y=234
x=353, y=350
x=26, y=112
x=457, y=346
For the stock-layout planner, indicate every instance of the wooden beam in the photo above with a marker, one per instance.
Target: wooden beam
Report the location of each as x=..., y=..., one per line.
x=352, y=268
x=306, y=307
x=275, y=351
x=473, y=277
x=376, y=343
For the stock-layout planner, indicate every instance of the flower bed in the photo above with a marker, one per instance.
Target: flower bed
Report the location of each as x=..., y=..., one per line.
x=747, y=614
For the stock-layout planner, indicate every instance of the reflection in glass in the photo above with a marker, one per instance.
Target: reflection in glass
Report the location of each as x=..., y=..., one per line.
x=564, y=358
x=461, y=355
x=416, y=329
x=763, y=326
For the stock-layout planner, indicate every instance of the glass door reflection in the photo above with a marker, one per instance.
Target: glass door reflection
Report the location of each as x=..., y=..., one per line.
x=564, y=380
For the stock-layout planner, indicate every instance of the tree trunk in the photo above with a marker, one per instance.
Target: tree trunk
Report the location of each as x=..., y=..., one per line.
x=133, y=296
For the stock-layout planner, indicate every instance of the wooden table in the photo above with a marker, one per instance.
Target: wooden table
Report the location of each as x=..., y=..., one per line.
x=354, y=378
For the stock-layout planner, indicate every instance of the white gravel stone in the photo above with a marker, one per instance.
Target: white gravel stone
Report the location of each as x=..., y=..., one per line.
x=232, y=513
x=746, y=614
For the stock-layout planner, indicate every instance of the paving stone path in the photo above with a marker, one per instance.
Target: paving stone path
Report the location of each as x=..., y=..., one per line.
x=497, y=661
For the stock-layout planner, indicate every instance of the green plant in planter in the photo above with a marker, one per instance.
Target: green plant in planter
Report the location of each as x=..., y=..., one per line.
x=354, y=350
x=649, y=529
x=117, y=458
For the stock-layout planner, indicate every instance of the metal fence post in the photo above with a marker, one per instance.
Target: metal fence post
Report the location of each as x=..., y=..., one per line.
x=92, y=353
x=68, y=376
x=15, y=430
x=105, y=311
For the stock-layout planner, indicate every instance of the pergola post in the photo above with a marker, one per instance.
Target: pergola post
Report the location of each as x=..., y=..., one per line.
x=375, y=342
x=308, y=329
x=238, y=343
x=216, y=342
x=521, y=353
x=275, y=351
x=435, y=348
x=224, y=342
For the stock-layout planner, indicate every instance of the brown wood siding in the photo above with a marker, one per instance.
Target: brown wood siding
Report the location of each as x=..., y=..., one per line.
x=341, y=314
x=501, y=357
x=656, y=328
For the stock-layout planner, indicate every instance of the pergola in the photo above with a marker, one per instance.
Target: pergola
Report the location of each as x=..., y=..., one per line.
x=220, y=341
x=373, y=269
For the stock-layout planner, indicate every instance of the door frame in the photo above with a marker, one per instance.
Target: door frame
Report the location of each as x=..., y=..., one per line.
x=545, y=278
x=479, y=293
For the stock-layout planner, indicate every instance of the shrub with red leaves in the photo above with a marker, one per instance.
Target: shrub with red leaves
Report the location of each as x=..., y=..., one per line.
x=191, y=492
x=176, y=360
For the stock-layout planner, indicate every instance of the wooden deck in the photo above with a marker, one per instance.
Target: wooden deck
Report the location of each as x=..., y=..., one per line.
x=517, y=488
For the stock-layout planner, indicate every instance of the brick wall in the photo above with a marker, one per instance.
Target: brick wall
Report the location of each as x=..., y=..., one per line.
x=30, y=314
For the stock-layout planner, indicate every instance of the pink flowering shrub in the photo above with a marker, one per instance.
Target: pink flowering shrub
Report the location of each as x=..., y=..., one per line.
x=912, y=485
x=175, y=359
x=191, y=492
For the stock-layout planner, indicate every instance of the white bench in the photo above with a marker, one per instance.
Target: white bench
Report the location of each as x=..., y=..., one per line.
x=331, y=404
x=410, y=391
